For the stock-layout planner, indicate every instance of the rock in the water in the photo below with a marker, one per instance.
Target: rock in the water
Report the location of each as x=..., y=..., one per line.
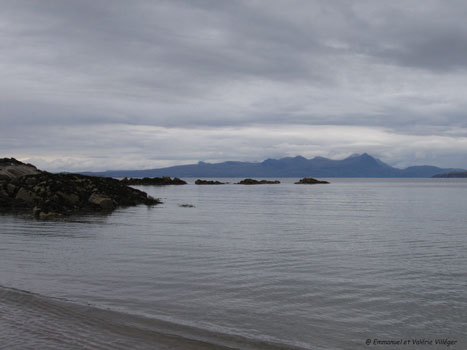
x=258, y=182
x=208, y=182
x=186, y=205
x=47, y=195
x=310, y=181
x=453, y=174
x=153, y=181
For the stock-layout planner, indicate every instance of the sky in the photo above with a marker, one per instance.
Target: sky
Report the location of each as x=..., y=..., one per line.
x=117, y=84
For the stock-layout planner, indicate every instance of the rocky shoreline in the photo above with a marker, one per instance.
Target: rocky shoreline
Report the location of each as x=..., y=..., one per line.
x=25, y=189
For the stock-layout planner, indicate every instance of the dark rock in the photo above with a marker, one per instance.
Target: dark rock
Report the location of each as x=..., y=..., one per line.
x=310, y=181
x=30, y=180
x=258, y=182
x=208, y=182
x=153, y=181
x=453, y=174
x=48, y=215
x=3, y=192
x=102, y=201
x=26, y=196
x=11, y=189
x=36, y=211
x=70, y=197
x=47, y=195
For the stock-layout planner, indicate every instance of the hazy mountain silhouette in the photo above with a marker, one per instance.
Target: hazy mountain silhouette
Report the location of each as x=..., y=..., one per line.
x=362, y=165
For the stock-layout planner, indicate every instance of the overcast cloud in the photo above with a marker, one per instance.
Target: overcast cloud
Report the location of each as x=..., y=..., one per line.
x=116, y=84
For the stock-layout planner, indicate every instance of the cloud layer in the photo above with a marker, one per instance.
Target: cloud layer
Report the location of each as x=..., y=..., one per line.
x=94, y=85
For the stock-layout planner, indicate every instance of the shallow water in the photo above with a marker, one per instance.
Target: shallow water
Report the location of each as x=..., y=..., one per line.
x=248, y=267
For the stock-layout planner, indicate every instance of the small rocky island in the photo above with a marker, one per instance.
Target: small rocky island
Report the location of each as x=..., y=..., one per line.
x=310, y=181
x=25, y=189
x=208, y=182
x=453, y=174
x=258, y=182
x=153, y=181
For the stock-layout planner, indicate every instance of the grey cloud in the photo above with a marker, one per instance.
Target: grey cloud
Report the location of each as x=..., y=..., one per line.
x=145, y=147
x=431, y=36
x=210, y=65
x=438, y=52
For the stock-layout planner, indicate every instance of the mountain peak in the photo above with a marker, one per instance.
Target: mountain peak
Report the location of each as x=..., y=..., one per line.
x=366, y=155
x=362, y=156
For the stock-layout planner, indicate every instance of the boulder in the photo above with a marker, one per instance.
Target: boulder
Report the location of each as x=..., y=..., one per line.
x=69, y=197
x=102, y=201
x=26, y=196
x=48, y=215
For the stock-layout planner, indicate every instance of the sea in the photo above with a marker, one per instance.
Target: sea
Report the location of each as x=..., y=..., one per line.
x=355, y=264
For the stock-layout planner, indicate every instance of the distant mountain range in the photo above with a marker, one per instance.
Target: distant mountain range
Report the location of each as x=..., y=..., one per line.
x=362, y=165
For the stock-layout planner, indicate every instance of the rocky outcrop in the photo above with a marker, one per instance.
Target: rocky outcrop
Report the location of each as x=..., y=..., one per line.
x=11, y=168
x=208, y=182
x=153, y=181
x=258, y=182
x=310, y=181
x=48, y=195
x=453, y=174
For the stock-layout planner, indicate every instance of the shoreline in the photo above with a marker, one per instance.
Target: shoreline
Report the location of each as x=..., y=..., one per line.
x=82, y=325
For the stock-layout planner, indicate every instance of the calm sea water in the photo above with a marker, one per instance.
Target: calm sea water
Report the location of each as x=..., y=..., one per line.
x=248, y=267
